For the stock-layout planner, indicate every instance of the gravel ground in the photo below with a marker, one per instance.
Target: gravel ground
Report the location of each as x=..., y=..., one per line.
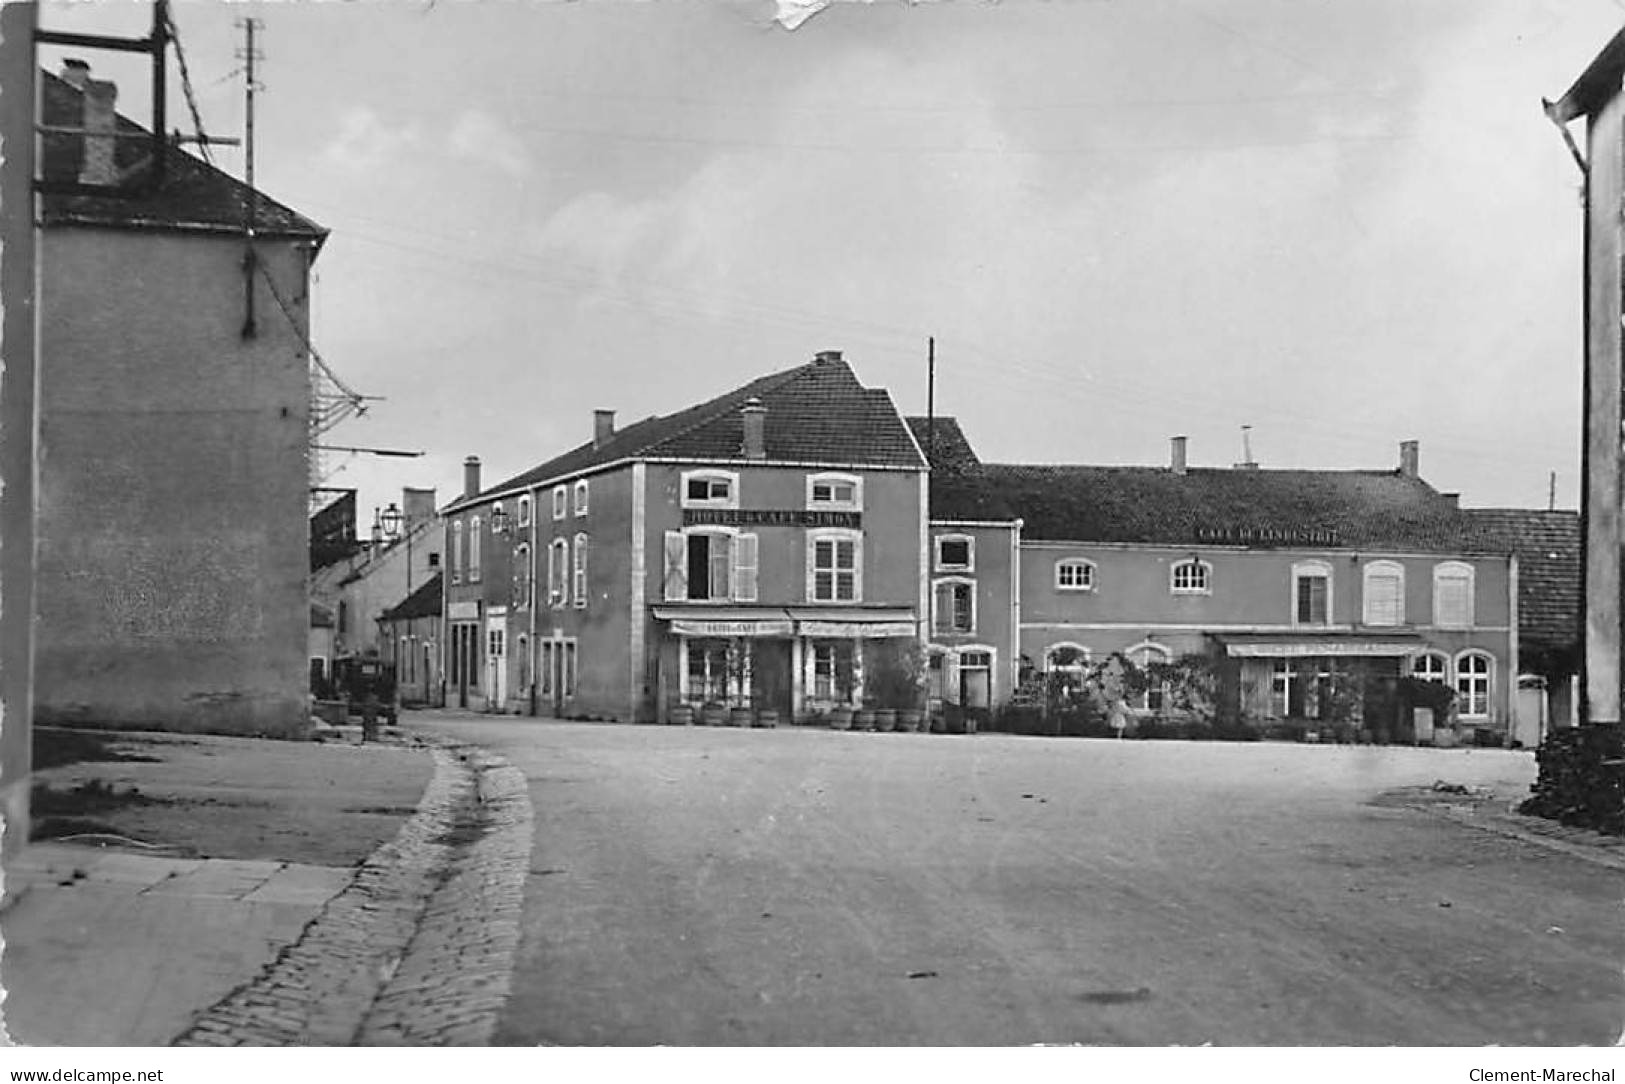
x=729, y=887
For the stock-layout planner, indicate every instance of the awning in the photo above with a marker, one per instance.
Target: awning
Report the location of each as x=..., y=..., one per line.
x=820, y=622
x=1318, y=645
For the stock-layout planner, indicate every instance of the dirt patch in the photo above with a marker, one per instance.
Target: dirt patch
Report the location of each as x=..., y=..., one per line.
x=327, y=804
x=53, y=747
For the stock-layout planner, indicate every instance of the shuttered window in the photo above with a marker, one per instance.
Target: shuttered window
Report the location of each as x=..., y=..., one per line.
x=580, y=577
x=1453, y=595
x=1384, y=593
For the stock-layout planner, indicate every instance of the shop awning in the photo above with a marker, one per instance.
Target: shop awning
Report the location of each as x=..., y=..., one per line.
x=1299, y=645
x=831, y=622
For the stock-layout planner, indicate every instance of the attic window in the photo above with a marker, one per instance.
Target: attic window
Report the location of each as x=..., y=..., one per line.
x=835, y=491
x=710, y=489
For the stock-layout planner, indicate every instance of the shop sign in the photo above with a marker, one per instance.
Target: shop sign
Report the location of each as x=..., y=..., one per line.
x=770, y=517
x=1262, y=536
x=463, y=611
x=1314, y=650
x=731, y=628
x=857, y=630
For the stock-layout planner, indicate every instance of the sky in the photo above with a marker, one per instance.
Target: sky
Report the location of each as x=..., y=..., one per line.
x=1341, y=223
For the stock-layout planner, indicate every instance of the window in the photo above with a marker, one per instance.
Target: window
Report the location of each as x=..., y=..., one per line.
x=1075, y=574
x=1155, y=693
x=835, y=491
x=581, y=497
x=956, y=553
x=524, y=511
x=1384, y=594
x=1431, y=666
x=580, y=580
x=434, y=559
x=1069, y=663
x=936, y=675
x=475, y=545
x=558, y=502
x=953, y=607
x=1311, y=593
x=1453, y=595
x=834, y=668
x=710, y=565
x=521, y=576
x=709, y=670
x=710, y=489
x=456, y=551
x=834, y=566
x=569, y=668
x=1473, y=684
x=558, y=558
x=1192, y=577
x=548, y=648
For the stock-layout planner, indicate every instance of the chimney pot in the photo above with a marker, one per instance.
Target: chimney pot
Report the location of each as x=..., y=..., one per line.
x=755, y=419
x=603, y=427
x=471, y=476
x=1410, y=459
x=824, y=357
x=1176, y=458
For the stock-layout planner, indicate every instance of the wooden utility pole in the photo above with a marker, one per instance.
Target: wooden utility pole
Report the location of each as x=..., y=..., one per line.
x=251, y=200
x=1596, y=96
x=931, y=401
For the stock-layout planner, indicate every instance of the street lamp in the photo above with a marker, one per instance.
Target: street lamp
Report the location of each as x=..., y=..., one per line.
x=391, y=522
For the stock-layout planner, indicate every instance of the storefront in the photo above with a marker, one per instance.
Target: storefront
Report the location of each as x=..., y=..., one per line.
x=795, y=660
x=1323, y=680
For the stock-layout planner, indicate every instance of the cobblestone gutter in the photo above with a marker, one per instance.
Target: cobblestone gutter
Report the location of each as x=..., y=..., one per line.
x=419, y=948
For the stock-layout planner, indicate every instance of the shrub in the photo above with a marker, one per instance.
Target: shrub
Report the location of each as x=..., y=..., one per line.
x=1582, y=779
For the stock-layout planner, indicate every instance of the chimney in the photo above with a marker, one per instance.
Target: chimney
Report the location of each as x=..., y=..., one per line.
x=826, y=357
x=1452, y=499
x=1410, y=459
x=99, y=165
x=1176, y=458
x=755, y=419
x=603, y=427
x=75, y=72
x=417, y=507
x=471, y=476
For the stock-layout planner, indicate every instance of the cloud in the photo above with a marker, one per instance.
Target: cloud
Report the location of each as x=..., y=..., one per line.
x=479, y=137
x=366, y=143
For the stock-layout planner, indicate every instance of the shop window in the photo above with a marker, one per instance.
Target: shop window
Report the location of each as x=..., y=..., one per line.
x=1473, y=669
x=1431, y=666
x=956, y=553
x=1384, y=594
x=1075, y=574
x=1192, y=577
x=833, y=667
x=718, y=671
x=953, y=608
x=581, y=497
x=834, y=566
x=1453, y=595
x=710, y=489
x=580, y=575
x=1311, y=593
x=835, y=492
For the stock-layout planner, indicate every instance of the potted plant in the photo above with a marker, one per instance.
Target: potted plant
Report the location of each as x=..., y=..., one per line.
x=841, y=716
x=681, y=715
x=713, y=713
x=897, y=683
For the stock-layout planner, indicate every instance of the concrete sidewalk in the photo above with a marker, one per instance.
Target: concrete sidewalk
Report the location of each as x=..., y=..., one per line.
x=113, y=947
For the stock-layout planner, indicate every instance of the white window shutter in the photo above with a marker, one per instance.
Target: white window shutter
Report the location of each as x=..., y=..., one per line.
x=950, y=677
x=744, y=571
x=676, y=566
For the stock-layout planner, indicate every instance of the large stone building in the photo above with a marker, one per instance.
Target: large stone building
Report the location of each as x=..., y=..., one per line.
x=174, y=428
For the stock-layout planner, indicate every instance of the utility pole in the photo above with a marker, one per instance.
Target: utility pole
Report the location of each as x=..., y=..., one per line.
x=1551, y=494
x=251, y=203
x=931, y=401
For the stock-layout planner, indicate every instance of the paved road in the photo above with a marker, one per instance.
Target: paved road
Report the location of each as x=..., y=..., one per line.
x=789, y=887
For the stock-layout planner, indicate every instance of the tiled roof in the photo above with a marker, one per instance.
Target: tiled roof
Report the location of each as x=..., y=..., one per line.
x=424, y=602
x=944, y=442
x=1547, y=545
x=1323, y=509
x=194, y=196
x=816, y=413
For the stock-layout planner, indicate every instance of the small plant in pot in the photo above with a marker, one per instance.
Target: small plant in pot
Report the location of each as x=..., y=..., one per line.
x=713, y=713
x=845, y=682
x=681, y=715
x=896, y=683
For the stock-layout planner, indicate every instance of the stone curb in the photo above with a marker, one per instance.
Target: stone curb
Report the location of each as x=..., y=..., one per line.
x=1502, y=824
x=318, y=990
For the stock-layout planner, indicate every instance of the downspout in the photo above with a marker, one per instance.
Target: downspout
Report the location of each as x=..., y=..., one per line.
x=1015, y=605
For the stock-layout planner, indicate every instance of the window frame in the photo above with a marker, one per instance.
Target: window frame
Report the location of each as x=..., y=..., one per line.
x=1146, y=648
x=834, y=535
x=1448, y=570
x=1082, y=563
x=524, y=511
x=937, y=584
x=1374, y=570
x=524, y=584
x=558, y=584
x=560, y=499
x=1446, y=675
x=709, y=475
x=457, y=551
x=834, y=478
x=940, y=565
x=1206, y=568
x=580, y=549
x=582, y=501
x=475, y=548
x=1460, y=675
x=1309, y=570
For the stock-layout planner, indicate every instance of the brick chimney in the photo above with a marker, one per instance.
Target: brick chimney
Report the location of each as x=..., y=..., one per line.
x=1452, y=499
x=825, y=357
x=1410, y=459
x=417, y=507
x=99, y=166
x=755, y=419
x=1176, y=456
x=471, y=476
x=75, y=72
x=603, y=427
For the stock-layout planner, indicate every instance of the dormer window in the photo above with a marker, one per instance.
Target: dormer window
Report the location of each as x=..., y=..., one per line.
x=835, y=492
x=710, y=489
x=956, y=553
